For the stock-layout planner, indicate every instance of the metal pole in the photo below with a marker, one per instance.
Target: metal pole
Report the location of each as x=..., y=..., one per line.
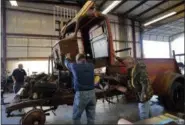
x=141, y=38
x=170, y=47
x=134, y=38
x=49, y=59
x=173, y=54
x=3, y=40
x=52, y=61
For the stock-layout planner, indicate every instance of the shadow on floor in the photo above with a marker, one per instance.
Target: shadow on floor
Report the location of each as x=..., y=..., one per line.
x=105, y=113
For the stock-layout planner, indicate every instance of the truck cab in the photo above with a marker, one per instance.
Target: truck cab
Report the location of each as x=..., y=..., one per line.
x=89, y=34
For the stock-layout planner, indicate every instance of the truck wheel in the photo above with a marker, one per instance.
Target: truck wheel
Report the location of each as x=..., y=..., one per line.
x=177, y=96
x=34, y=117
x=175, y=101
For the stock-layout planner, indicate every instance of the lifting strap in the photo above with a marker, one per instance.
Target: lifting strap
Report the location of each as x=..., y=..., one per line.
x=132, y=76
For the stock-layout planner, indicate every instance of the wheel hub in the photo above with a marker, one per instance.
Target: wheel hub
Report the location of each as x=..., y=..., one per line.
x=36, y=122
x=34, y=117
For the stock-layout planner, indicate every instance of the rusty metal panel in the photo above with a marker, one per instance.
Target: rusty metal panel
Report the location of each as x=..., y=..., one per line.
x=156, y=66
x=69, y=46
x=66, y=46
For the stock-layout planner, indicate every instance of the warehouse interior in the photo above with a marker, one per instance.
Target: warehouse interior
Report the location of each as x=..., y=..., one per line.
x=151, y=30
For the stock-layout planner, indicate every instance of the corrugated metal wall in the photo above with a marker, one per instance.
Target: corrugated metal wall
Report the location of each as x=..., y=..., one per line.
x=123, y=37
x=31, y=35
x=24, y=46
x=22, y=22
x=18, y=47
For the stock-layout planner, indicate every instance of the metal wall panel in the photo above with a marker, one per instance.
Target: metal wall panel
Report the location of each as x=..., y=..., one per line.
x=26, y=23
x=39, y=52
x=129, y=33
x=115, y=31
x=38, y=7
x=17, y=52
x=12, y=41
x=29, y=47
x=130, y=45
x=137, y=33
x=155, y=37
x=123, y=38
x=40, y=42
x=138, y=50
x=29, y=23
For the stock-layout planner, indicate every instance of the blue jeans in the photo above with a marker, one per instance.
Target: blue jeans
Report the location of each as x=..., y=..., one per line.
x=84, y=100
x=144, y=110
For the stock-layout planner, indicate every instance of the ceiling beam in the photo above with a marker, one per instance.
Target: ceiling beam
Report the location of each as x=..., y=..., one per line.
x=51, y=2
x=157, y=26
x=165, y=30
x=121, y=3
x=174, y=27
x=151, y=8
x=28, y=11
x=156, y=34
x=133, y=8
x=101, y=4
x=157, y=14
x=32, y=35
x=176, y=34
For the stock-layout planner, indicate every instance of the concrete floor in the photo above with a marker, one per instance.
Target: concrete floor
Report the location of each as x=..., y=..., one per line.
x=105, y=113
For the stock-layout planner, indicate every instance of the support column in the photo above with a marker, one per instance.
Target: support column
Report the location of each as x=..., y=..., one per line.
x=170, y=47
x=141, y=38
x=134, y=38
x=3, y=38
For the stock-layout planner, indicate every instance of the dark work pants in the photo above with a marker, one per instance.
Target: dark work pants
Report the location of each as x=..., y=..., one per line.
x=17, y=86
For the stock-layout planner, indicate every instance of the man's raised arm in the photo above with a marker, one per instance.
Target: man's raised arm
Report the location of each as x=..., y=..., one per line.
x=67, y=61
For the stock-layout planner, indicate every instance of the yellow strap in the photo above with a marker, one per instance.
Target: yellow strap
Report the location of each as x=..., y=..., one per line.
x=171, y=116
x=132, y=76
x=163, y=117
x=96, y=79
x=84, y=9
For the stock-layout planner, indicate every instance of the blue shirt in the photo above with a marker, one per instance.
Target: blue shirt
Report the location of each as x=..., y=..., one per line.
x=83, y=75
x=19, y=75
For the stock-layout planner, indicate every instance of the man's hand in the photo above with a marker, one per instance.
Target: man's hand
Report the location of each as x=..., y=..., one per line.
x=14, y=81
x=143, y=97
x=121, y=88
x=25, y=78
x=68, y=56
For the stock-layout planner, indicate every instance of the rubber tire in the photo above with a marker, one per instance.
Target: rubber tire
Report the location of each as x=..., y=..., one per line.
x=169, y=103
x=179, y=106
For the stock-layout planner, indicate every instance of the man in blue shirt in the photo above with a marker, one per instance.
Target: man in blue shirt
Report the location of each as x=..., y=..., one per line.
x=18, y=77
x=83, y=83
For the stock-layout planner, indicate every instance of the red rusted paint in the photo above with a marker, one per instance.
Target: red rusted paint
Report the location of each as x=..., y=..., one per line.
x=158, y=66
x=161, y=73
x=111, y=49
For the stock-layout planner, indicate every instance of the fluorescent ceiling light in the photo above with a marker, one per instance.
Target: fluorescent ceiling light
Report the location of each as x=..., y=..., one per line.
x=111, y=6
x=160, y=18
x=13, y=2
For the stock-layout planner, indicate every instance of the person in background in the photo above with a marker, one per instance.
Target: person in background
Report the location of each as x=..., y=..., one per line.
x=18, y=77
x=83, y=83
x=138, y=81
